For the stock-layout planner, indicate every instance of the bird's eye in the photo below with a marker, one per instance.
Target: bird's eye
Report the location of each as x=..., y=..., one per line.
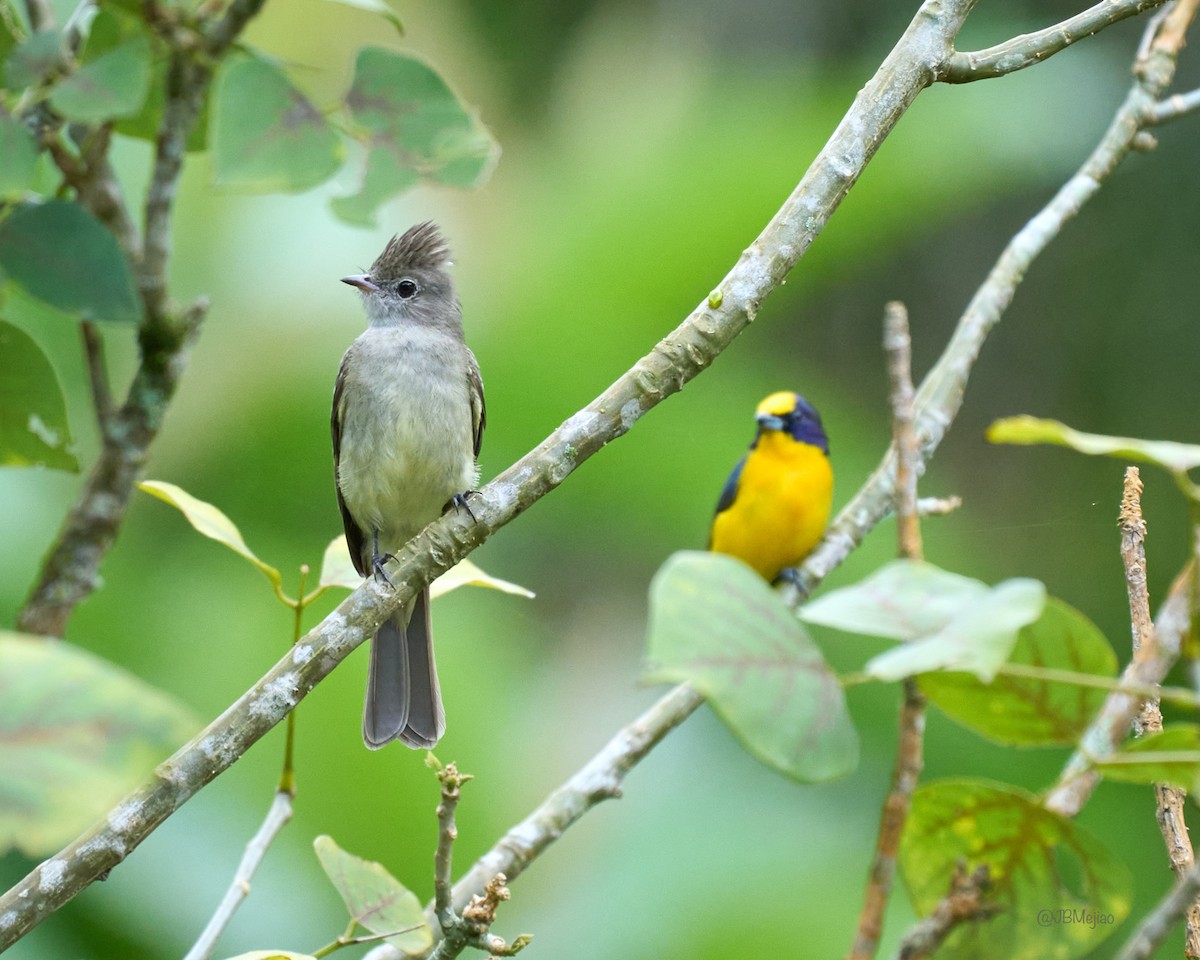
x=406, y=289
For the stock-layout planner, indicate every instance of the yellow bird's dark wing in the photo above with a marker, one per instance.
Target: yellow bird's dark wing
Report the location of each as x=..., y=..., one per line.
x=729, y=492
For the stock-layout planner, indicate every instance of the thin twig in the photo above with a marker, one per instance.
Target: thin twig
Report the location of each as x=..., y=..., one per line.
x=1169, y=800
x=93, y=347
x=897, y=344
x=443, y=876
x=1144, y=942
x=1172, y=108
x=1111, y=725
x=910, y=750
x=1030, y=48
x=965, y=903
x=277, y=817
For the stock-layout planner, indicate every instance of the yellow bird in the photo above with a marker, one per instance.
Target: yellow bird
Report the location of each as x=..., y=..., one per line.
x=775, y=505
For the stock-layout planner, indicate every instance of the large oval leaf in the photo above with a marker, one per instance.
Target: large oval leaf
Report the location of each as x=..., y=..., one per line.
x=1033, y=857
x=1019, y=710
x=33, y=413
x=716, y=624
x=60, y=254
x=266, y=134
x=76, y=734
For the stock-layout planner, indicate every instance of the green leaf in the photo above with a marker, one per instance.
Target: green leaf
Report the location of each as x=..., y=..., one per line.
x=210, y=521
x=376, y=899
x=1059, y=889
x=266, y=133
x=60, y=254
x=273, y=955
x=1170, y=756
x=33, y=59
x=902, y=600
x=76, y=734
x=413, y=126
x=33, y=413
x=716, y=624
x=337, y=570
x=113, y=85
x=18, y=157
x=1022, y=711
x=1177, y=457
x=949, y=622
x=379, y=7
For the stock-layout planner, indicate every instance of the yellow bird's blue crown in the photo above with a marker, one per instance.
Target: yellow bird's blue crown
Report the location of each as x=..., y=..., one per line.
x=776, y=502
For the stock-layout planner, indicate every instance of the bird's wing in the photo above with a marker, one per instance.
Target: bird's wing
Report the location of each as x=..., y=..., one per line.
x=354, y=535
x=729, y=491
x=478, y=407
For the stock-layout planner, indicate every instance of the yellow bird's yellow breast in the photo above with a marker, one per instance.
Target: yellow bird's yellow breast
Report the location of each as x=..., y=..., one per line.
x=781, y=507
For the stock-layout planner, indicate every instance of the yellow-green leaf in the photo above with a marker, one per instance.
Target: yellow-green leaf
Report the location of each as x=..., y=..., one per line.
x=210, y=521
x=1061, y=892
x=1177, y=457
x=467, y=574
x=1025, y=710
x=337, y=570
x=1172, y=755
x=376, y=899
x=273, y=955
x=76, y=734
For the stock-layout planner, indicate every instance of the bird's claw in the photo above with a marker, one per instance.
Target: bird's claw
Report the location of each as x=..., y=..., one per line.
x=459, y=502
x=377, y=564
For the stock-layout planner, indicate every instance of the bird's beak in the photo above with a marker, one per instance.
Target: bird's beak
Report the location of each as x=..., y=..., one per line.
x=362, y=281
x=770, y=422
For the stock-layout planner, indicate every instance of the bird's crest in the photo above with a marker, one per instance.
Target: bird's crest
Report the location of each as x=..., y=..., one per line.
x=419, y=247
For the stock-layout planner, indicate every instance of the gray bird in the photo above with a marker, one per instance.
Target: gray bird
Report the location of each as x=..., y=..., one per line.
x=408, y=418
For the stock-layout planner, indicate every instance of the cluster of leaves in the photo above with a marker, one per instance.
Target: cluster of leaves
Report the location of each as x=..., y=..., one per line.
x=1007, y=662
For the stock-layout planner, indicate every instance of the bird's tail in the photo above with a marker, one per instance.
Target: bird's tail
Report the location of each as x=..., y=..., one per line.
x=404, y=701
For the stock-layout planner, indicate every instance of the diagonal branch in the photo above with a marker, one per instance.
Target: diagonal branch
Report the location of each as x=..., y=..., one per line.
x=681, y=355
x=1030, y=48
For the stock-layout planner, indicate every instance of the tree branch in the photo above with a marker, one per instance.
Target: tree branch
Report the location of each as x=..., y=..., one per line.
x=964, y=903
x=681, y=355
x=1152, y=931
x=1030, y=48
x=1169, y=800
x=93, y=348
x=277, y=818
x=685, y=352
x=910, y=750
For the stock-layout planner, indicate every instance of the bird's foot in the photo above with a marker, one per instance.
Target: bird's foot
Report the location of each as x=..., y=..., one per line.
x=459, y=502
x=378, y=561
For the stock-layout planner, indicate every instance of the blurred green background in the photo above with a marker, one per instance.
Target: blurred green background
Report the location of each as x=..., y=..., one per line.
x=644, y=146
